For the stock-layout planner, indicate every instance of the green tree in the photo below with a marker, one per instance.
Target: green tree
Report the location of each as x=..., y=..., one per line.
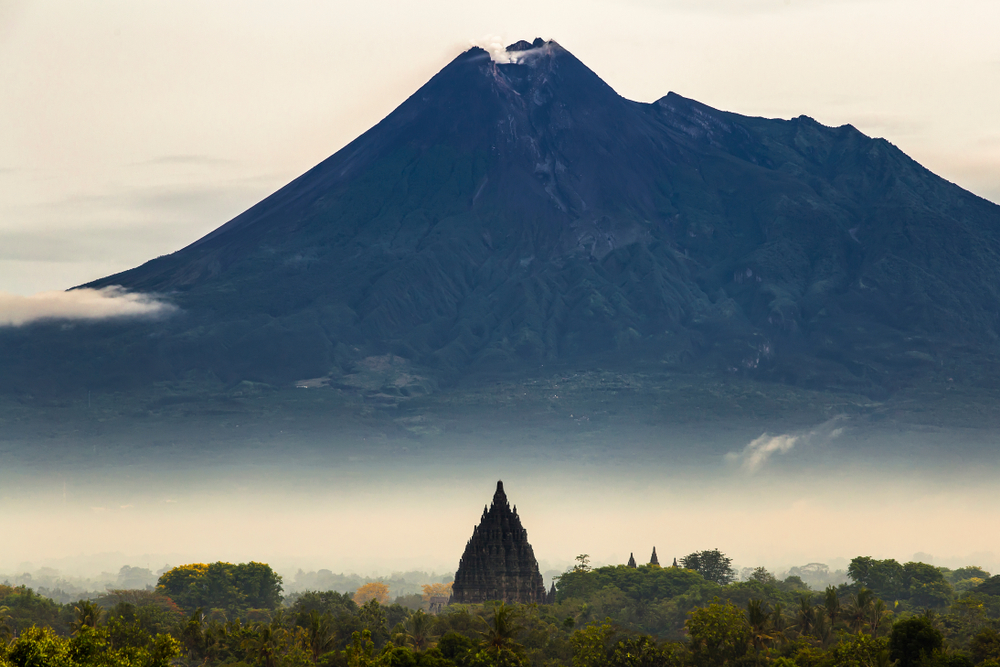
x=39, y=647
x=232, y=588
x=320, y=633
x=641, y=583
x=590, y=644
x=805, y=616
x=419, y=630
x=859, y=612
x=860, y=651
x=265, y=643
x=259, y=585
x=373, y=619
x=877, y=614
x=761, y=575
x=914, y=640
x=326, y=602
x=88, y=615
x=926, y=585
x=5, y=630
x=887, y=578
x=181, y=584
x=831, y=607
x=985, y=645
x=501, y=632
x=456, y=647
x=642, y=651
x=718, y=634
x=990, y=587
x=968, y=572
x=761, y=627
x=361, y=651
x=712, y=565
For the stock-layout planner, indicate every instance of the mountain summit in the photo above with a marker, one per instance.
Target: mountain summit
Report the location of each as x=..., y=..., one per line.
x=522, y=212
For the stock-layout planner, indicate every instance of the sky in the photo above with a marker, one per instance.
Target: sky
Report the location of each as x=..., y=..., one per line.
x=130, y=128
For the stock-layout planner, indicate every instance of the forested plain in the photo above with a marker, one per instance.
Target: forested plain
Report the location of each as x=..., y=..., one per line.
x=697, y=613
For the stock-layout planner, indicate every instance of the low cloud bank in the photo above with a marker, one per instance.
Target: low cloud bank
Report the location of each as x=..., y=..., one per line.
x=753, y=457
x=80, y=305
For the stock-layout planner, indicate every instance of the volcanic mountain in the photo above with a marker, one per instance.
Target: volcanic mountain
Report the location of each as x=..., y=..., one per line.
x=518, y=213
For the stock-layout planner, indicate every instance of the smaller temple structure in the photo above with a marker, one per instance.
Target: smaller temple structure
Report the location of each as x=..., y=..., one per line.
x=653, y=560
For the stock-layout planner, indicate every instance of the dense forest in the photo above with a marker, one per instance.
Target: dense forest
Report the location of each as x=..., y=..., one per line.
x=223, y=614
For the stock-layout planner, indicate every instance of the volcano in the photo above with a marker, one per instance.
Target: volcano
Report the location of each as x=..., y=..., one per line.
x=518, y=213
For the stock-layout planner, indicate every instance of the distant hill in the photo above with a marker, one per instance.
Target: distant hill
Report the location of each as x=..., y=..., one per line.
x=510, y=215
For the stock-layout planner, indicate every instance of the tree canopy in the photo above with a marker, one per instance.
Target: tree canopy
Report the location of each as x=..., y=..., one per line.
x=225, y=586
x=713, y=565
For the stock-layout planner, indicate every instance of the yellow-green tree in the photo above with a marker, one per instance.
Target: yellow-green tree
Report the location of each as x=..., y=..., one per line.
x=436, y=590
x=374, y=590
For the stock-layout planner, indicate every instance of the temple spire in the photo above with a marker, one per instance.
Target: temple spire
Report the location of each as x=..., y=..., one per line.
x=653, y=560
x=631, y=560
x=500, y=498
x=499, y=563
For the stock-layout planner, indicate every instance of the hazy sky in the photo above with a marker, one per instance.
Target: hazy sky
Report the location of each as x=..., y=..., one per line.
x=130, y=128
x=370, y=503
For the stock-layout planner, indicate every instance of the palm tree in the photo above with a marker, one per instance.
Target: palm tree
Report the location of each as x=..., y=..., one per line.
x=858, y=612
x=831, y=604
x=4, y=617
x=265, y=643
x=88, y=614
x=760, y=621
x=806, y=616
x=877, y=613
x=322, y=637
x=779, y=623
x=822, y=631
x=418, y=630
x=500, y=633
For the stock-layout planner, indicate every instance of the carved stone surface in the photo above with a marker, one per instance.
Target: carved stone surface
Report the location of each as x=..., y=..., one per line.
x=498, y=563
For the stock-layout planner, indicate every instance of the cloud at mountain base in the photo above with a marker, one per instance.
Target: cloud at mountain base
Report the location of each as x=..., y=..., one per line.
x=79, y=305
x=759, y=450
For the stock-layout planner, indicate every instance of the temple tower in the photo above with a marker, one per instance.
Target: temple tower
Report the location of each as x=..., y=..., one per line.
x=631, y=560
x=653, y=560
x=498, y=563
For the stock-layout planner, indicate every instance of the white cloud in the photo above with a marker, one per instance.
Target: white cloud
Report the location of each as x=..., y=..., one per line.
x=753, y=457
x=81, y=304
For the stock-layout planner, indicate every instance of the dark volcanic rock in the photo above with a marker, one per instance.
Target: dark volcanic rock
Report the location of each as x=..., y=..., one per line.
x=498, y=563
x=525, y=213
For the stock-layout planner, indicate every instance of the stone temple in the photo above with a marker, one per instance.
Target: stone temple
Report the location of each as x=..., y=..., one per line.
x=498, y=563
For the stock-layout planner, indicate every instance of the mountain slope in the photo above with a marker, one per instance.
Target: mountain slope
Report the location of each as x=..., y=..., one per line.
x=523, y=213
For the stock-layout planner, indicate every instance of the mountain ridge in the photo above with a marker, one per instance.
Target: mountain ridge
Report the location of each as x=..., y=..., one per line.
x=521, y=213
